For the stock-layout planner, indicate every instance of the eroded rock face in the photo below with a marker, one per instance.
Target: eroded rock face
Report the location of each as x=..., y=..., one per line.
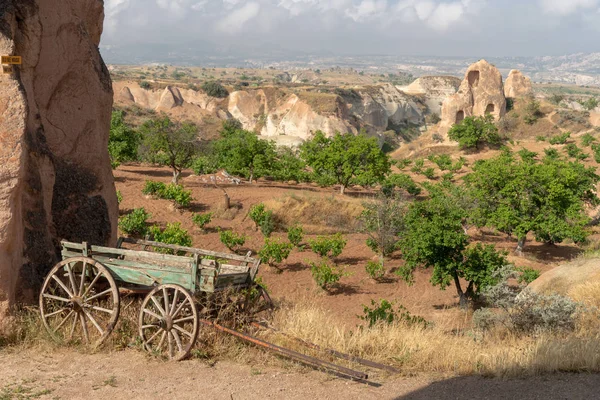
x=435, y=89
x=517, y=85
x=481, y=92
x=55, y=176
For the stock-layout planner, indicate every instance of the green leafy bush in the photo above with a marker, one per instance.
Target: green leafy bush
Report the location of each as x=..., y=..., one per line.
x=263, y=219
x=215, y=89
x=403, y=163
x=443, y=161
x=587, y=140
x=528, y=275
x=205, y=165
x=295, y=235
x=575, y=152
x=419, y=163
x=274, y=251
x=152, y=188
x=328, y=246
x=135, y=223
x=540, y=138
x=119, y=197
x=384, y=313
x=201, y=220
x=472, y=131
x=172, y=234
x=402, y=181
x=325, y=275
x=596, y=149
x=375, y=270
x=233, y=241
x=560, y=139
x=429, y=173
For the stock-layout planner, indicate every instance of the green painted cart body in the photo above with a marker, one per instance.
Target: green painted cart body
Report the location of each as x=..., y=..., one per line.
x=193, y=269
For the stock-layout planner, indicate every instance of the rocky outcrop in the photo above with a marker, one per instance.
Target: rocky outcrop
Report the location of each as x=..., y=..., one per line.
x=480, y=93
x=517, y=85
x=55, y=176
x=565, y=277
x=434, y=89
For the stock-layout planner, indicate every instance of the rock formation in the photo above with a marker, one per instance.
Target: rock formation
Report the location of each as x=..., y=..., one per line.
x=517, y=85
x=435, y=89
x=55, y=108
x=480, y=93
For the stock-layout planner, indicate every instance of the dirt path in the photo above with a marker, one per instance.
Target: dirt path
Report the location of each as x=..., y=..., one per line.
x=67, y=374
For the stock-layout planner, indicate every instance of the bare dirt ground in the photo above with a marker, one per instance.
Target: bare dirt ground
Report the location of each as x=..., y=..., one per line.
x=132, y=375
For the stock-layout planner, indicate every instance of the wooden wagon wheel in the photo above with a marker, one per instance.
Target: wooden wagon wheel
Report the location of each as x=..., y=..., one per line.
x=168, y=322
x=80, y=301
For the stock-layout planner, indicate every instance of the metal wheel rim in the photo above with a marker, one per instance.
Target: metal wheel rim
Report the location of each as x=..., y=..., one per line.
x=169, y=328
x=77, y=290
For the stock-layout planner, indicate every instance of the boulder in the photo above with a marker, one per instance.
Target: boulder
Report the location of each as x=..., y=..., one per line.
x=517, y=85
x=481, y=92
x=562, y=279
x=56, y=180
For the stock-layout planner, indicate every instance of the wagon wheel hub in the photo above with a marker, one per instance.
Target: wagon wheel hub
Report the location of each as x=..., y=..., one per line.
x=77, y=303
x=167, y=323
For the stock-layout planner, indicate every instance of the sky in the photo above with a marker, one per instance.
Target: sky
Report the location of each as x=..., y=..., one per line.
x=360, y=27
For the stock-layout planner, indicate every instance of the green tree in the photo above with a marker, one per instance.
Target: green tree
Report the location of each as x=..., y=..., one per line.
x=123, y=140
x=434, y=238
x=472, y=131
x=215, y=89
x=170, y=143
x=242, y=153
x=383, y=221
x=345, y=160
x=521, y=194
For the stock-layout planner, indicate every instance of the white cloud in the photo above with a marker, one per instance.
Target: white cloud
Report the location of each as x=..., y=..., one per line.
x=234, y=22
x=566, y=7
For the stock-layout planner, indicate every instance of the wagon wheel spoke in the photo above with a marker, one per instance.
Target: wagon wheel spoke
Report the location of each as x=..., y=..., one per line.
x=162, y=340
x=176, y=313
x=190, y=318
x=64, y=320
x=62, y=285
x=73, y=326
x=180, y=329
x=175, y=299
x=104, y=310
x=166, y=301
x=177, y=340
x=71, y=278
x=171, y=354
x=158, y=317
x=49, y=296
x=92, y=284
x=157, y=304
x=153, y=336
x=82, y=282
x=86, y=335
x=96, y=296
x=55, y=312
x=94, y=322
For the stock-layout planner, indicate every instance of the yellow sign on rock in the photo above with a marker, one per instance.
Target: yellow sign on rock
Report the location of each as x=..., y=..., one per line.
x=7, y=69
x=13, y=60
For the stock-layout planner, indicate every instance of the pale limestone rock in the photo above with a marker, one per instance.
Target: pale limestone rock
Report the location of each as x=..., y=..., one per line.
x=480, y=93
x=434, y=89
x=55, y=176
x=517, y=85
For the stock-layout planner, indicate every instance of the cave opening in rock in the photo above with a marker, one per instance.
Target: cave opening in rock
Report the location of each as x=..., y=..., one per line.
x=460, y=116
x=473, y=78
x=490, y=109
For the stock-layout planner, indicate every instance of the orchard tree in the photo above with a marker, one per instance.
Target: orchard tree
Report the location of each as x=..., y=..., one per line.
x=170, y=143
x=345, y=160
x=241, y=152
x=434, y=238
x=287, y=166
x=472, y=131
x=518, y=194
x=123, y=141
x=383, y=221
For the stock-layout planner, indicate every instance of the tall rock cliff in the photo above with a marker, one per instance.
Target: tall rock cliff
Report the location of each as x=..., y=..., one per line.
x=480, y=93
x=55, y=176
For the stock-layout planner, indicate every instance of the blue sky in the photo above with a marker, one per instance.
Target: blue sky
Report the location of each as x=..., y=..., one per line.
x=396, y=27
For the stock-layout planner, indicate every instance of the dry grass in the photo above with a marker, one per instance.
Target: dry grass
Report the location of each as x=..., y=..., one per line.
x=321, y=103
x=415, y=349
x=317, y=215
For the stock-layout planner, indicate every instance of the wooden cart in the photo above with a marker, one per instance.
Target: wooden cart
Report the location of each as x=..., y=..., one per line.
x=80, y=297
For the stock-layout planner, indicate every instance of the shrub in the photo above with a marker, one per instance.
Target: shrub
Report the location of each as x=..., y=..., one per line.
x=233, y=241
x=556, y=98
x=443, y=161
x=145, y=85
x=375, y=270
x=473, y=131
x=295, y=235
x=429, y=173
x=215, y=89
x=532, y=112
x=540, y=138
x=402, y=181
x=403, y=163
x=119, y=197
x=587, y=140
x=153, y=188
x=328, y=246
x=263, y=219
x=418, y=166
x=437, y=138
x=434, y=118
x=551, y=153
x=201, y=220
x=596, y=149
x=275, y=251
x=135, y=223
x=205, y=165
x=528, y=275
x=384, y=313
x=325, y=275
x=560, y=139
x=172, y=234
x=575, y=152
